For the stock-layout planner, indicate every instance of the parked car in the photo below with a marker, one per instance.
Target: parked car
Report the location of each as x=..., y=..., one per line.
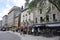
x=3, y=29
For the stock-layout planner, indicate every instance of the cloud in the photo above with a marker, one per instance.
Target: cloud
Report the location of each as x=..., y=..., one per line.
x=19, y=2
x=1, y=1
x=5, y=11
x=9, y=5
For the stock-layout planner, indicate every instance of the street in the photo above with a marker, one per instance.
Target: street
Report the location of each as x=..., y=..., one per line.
x=8, y=36
x=31, y=37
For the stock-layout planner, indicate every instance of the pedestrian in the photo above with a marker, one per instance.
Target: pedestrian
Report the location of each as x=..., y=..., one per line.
x=21, y=31
x=33, y=31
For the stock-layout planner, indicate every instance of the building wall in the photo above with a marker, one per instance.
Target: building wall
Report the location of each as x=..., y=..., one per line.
x=11, y=19
x=16, y=22
x=45, y=8
x=36, y=13
x=56, y=12
x=26, y=17
x=0, y=23
x=5, y=21
x=17, y=17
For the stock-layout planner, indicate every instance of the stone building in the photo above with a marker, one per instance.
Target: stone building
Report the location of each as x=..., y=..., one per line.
x=44, y=13
x=26, y=19
x=5, y=21
x=17, y=17
x=12, y=17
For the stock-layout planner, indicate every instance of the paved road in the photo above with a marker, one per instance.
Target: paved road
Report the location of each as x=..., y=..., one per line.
x=31, y=37
x=8, y=36
x=17, y=36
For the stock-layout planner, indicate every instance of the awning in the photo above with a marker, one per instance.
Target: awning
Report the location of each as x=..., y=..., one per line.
x=30, y=26
x=52, y=25
x=37, y=25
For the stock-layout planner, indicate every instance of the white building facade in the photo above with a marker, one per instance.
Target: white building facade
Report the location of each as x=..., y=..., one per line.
x=26, y=17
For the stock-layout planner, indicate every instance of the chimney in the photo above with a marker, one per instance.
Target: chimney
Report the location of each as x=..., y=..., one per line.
x=21, y=8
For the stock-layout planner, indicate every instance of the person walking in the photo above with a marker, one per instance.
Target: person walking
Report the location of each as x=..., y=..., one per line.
x=32, y=31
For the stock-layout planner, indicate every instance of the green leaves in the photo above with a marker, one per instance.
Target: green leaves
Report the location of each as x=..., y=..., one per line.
x=33, y=3
x=27, y=0
x=56, y=3
x=48, y=10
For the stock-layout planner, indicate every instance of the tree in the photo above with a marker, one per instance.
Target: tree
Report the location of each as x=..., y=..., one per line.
x=27, y=2
x=33, y=3
x=56, y=3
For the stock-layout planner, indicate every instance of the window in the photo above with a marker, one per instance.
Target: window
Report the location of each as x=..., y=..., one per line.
x=29, y=19
x=23, y=15
x=29, y=13
x=41, y=19
x=26, y=14
x=40, y=11
x=23, y=20
x=47, y=18
x=36, y=20
x=16, y=13
x=54, y=17
x=26, y=20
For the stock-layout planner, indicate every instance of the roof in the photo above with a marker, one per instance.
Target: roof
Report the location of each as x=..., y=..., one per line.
x=24, y=10
x=14, y=8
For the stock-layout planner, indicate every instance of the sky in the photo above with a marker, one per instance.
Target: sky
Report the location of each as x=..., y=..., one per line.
x=6, y=5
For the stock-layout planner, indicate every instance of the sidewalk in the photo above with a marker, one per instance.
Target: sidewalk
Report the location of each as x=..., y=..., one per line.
x=31, y=37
